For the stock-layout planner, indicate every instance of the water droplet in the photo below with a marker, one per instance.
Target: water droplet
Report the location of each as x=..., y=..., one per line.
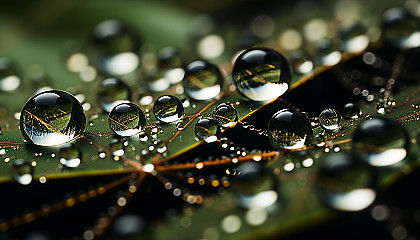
x=344, y=183
x=330, y=119
x=354, y=38
x=22, y=171
x=111, y=92
x=351, y=111
x=126, y=119
x=400, y=28
x=288, y=128
x=380, y=141
x=327, y=53
x=202, y=80
x=52, y=118
x=143, y=136
x=9, y=76
x=117, y=147
x=261, y=74
x=70, y=156
x=116, y=47
x=170, y=62
x=207, y=129
x=301, y=61
x=226, y=114
x=168, y=108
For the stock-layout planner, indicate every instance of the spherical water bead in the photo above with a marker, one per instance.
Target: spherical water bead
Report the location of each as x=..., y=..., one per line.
x=22, y=171
x=381, y=141
x=354, y=38
x=400, y=28
x=330, y=119
x=226, y=114
x=52, y=118
x=288, y=129
x=9, y=75
x=168, y=108
x=116, y=47
x=111, y=92
x=126, y=119
x=202, y=80
x=327, y=52
x=170, y=62
x=261, y=74
x=302, y=62
x=117, y=147
x=70, y=156
x=351, y=111
x=207, y=129
x=345, y=183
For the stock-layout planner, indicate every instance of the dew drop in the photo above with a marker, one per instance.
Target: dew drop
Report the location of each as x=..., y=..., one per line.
x=126, y=119
x=302, y=62
x=261, y=74
x=70, y=156
x=344, y=183
x=351, y=111
x=111, y=92
x=170, y=62
x=330, y=119
x=380, y=141
x=207, y=129
x=225, y=114
x=22, y=171
x=143, y=136
x=168, y=108
x=400, y=28
x=9, y=75
x=116, y=47
x=202, y=80
x=327, y=53
x=117, y=147
x=52, y=118
x=354, y=38
x=288, y=129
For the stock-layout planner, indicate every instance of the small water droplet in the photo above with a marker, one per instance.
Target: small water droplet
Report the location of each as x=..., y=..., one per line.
x=202, y=80
x=327, y=53
x=170, y=62
x=207, y=129
x=288, y=129
x=111, y=92
x=381, y=142
x=52, y=118
x=380, y=107
x=400, y=28
x=168, y=108
x=301, y=61
x=22, y=171
x=226, y=114
x=70, y=156
x=354, y=38
x=117, y=147
x=126, y=119
x=330, y=119
x=351, y=111
x=261, y=74
x=9, y=77
x=143, y=136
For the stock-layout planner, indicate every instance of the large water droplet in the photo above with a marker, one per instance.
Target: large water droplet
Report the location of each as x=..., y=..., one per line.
x=126, y=119
x=202, y=80
x=354, y=38
x=330, y=119
x=351, y=111
x=9, y=75
x=70, y=156
x=168, y=108
x=344, y=183
x=380, y=141
x=226, y=114
x=111, y=92
x=207, y=129
x=52, y=118
x=22, y=171
x=116, y=47
x=261, y=74
x=400, y=28
x=288, y=129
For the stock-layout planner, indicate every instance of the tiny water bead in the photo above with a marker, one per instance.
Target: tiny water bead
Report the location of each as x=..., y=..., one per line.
x=327, y=52
x=288, y=129
x=330, y=119
x=400, y=28
x=345, y=182
x=126, y=119
x=52, y=118
x=9, y=75
x=354, y=38
x=168, y=108
x=116, y=47
x=261, y=74
x=202, y=80
x=381, y=141
x=226, y=114
x=351, y=111
x=22, y=171
x=70, y=156
x=302, y=62
x=111, y=92
x=207, y=129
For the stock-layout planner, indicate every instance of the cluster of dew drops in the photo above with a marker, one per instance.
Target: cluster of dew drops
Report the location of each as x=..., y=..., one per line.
x=55, y=117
